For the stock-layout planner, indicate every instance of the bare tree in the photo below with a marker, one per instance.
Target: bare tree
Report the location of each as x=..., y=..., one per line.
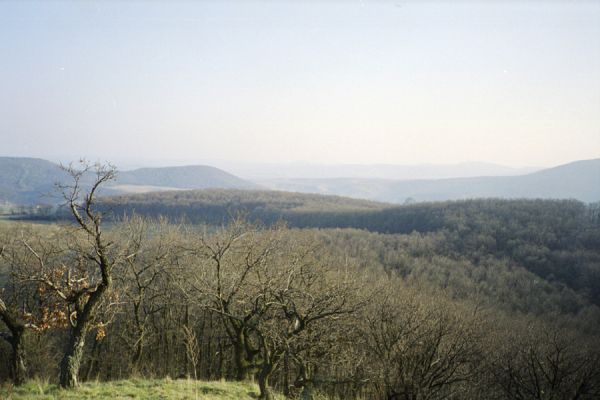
x=23, y=306
x=419, y=349
x=192, y=349
x=272, y=293
x=152, y=250
x=539, y=362
x=221, y=285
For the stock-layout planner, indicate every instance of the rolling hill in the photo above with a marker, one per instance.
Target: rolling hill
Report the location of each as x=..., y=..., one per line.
x=31, y=181
x=28, y=180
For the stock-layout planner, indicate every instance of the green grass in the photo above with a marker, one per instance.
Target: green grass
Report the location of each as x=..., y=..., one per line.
x=135, y=389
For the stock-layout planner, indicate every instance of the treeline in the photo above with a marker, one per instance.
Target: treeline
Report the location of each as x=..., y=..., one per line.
x=300, y=311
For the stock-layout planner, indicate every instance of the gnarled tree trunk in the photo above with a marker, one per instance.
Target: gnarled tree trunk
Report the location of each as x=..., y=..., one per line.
x=244, y=356
x=69, y=366
x=71, y=361
x=16, y=337
x=19, y=371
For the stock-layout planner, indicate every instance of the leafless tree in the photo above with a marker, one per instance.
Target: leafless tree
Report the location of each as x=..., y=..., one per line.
x=98, y=278
x=270, y=293
x=152, y=249
x=419, y=349
x=541, y=362
x=192, y=349
x=23, y=307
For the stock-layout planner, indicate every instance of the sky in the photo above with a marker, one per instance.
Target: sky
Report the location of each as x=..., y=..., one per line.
x=399, y=82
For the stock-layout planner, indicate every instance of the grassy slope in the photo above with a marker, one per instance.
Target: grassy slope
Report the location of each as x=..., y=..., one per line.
x=136, y=389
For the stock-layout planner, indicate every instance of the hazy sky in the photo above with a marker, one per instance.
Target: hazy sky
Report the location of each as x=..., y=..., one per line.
x=513, y=82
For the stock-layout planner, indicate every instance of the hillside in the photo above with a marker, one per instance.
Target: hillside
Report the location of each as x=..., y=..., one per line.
x=215, y=206
x=578, y=180
x=28, y=180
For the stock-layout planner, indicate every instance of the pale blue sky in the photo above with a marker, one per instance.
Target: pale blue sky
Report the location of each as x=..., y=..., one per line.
x=516, y=83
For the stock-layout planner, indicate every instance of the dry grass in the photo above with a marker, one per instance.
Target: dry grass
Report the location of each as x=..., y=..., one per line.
x=135, y=389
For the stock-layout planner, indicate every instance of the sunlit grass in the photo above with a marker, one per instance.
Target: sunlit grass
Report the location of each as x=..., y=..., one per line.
x=135, y=389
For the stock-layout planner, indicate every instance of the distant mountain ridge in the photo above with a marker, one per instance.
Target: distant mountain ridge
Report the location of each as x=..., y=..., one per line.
x=30, y=181
x=260, y=171
x=578, y=180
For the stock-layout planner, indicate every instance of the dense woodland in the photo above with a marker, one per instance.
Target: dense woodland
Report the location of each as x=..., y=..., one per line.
x=488, y=299
x=556, y=240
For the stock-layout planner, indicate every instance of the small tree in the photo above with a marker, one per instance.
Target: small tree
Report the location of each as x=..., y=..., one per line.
x=192, y=349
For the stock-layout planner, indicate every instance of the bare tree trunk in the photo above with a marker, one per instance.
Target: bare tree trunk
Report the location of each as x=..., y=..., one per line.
x=69, y=366
x=17, y=332
x=140, y=331
x=71, y=362
x=18, y=369
x=241, y=364
x=221, y=366
x=286, y=373
x=137, y=355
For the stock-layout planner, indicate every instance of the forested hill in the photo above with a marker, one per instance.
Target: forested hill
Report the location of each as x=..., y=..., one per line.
x=557, y=240
x=216, y=206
